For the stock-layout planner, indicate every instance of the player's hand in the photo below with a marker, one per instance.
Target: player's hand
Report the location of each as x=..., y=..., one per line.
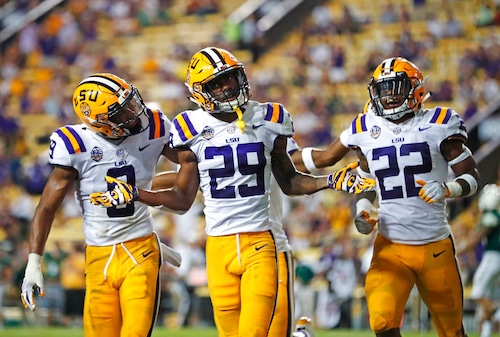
x=363, y=221
x=33, y=280
x=432, y=191
x=121, y=194
x=345, y=180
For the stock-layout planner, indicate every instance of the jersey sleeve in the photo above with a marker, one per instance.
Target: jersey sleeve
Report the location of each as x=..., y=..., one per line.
x=291, y=145
x=279, y=120
x=159, y=125
x=65, y=142
x=455, y=126
x=357, y=127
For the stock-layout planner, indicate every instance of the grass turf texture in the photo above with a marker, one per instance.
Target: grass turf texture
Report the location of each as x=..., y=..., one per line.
x=205, y=332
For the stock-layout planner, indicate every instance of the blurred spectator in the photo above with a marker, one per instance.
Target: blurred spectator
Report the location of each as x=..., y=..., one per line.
x=340, y=266
x=389, y=13
x=452, y=26
x=202, y=7
x=485, y=15
x=73, y=282
x=52, y=304
x=444, y=93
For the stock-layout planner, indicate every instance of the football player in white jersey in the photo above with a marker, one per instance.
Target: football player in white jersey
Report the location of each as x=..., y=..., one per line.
x=408, y=150
x=229, y=148
x=119, y=136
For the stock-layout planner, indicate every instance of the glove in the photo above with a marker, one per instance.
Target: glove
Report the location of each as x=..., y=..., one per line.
x=121, y=194
x=364, y=223
x=170, y=255
x=433, y=191
x=33, y=279
x=344, y=180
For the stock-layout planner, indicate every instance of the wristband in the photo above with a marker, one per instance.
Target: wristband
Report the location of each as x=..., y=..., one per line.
x=34, y=258
x=454, y=189
x=308, y=159
x=471, y=181
x=363, y=205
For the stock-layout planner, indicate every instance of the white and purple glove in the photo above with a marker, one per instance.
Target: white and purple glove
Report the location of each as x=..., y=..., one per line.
x=33, y=279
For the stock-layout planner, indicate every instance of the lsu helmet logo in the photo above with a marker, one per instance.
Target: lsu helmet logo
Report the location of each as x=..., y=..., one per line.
x=85, y=109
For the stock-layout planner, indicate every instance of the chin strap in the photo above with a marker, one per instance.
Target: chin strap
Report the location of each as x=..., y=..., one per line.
x=239, y=123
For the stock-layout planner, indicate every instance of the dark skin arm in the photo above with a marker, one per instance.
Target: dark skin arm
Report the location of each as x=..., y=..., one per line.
x=322, y=158
x=452, y=148
x=164, y=180
x=183, y=193
x=60, y=181
x=291, y=181
x=170, y=153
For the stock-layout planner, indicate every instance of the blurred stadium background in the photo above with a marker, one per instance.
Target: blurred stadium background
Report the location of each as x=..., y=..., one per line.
x=314, y=56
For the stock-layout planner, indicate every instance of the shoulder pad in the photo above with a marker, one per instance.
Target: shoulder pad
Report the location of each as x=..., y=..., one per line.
x=358, y=124
x=72, y=140
x=275, y=113
x=184, y=127
x=156, y=124
x=441, y=115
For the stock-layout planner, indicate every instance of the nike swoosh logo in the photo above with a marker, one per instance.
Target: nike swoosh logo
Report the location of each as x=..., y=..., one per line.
x=141, y=148
x=424, y=128
x=257, y=126
x=437, y=254
x=147, y=254
x=260, y=247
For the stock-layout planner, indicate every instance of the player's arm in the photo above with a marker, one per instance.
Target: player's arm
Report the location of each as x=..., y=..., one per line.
x=60, y=181
x=164, y=180
x=466, y=183
x=179, y=198
x=308, y=159
x=291, y=181
x=183, y=193
x=170, y=153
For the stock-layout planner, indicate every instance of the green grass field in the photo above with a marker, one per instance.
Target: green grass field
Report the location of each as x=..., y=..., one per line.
x=205, y=332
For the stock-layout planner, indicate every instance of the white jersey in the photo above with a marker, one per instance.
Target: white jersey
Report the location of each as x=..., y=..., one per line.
x=400, y=154
x=133, y=160
x=276, y=208
x=234, y=167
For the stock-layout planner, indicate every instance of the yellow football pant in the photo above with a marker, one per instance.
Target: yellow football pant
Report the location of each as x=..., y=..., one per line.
x=433, y=268
x=242, y=280
x=122, y=288
x=283, y=322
